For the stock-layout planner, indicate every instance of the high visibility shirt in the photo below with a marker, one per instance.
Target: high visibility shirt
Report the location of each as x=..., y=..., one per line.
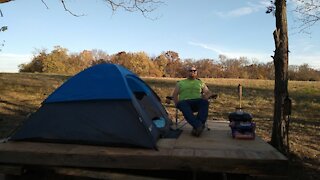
x=190, y=89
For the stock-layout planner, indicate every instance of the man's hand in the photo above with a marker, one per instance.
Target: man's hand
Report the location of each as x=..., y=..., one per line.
x=209, y=95
x=169, y=99
x=206, y=95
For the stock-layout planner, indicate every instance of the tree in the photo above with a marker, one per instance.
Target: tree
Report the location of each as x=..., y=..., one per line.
x=306, y=73
x=270, y=70
x=76, y=64
x=142, y=6
x=309, y=13
x=144, y=65
x=233, y=67
x=161, y=62
x=308, y=10
x=174, y=65
x=86, y=57
x=99, y=55
x=280, y=60
x=36, y=65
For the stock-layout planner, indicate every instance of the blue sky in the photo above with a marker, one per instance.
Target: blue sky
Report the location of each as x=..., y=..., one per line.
x=194, y=29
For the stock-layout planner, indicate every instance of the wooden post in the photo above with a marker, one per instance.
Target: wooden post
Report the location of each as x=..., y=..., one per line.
x=240, y=95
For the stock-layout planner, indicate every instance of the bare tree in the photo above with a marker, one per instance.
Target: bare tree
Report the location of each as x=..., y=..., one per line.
x=143, y=6
x=280, y=59
x=308, y=13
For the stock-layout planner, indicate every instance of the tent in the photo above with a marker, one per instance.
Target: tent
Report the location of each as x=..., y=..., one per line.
x=105, y=104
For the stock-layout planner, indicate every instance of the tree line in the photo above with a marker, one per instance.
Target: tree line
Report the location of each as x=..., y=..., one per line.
x=167, y=64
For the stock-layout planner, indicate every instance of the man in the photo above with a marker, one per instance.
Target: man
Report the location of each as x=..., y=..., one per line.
x=191, y=95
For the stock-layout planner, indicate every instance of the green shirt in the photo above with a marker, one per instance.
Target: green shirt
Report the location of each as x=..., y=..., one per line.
x=190, y=89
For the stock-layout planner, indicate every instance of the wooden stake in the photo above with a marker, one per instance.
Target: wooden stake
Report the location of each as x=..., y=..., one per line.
x=240, y=95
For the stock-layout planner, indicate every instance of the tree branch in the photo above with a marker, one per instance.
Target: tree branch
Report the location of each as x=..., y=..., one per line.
x=45, y=4
x=143, y=6
x=309, y=12
x=65, y=8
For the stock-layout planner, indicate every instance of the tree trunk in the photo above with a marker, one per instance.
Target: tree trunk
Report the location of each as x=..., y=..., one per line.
x=281, y=74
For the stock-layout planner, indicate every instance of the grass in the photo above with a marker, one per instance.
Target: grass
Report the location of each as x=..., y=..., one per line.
x=22, y=93
x=258, y=99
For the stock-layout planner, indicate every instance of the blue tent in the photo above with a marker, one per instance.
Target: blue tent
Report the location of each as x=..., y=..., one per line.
x=103, y=105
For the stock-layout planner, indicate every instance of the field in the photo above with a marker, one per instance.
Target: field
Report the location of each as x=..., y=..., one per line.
x=21, y=94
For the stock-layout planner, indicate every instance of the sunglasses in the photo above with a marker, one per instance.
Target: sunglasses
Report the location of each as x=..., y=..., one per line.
x=192, y=70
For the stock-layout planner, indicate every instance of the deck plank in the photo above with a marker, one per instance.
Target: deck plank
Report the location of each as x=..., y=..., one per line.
x=214, y=151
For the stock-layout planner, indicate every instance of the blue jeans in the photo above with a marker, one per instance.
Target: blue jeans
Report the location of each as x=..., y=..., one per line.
x=188, y=107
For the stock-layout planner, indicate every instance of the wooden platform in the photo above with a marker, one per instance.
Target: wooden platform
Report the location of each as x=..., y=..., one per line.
x=214, y=151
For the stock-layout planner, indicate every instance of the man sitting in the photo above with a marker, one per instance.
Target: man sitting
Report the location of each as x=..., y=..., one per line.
x=192, y=94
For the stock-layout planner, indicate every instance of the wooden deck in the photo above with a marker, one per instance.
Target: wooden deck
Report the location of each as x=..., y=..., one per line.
x=214, y=151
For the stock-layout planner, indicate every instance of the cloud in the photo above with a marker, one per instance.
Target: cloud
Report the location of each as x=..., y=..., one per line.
x=237, y=12
x=295, y=58
x=218, y=50
x=246, y=10
x=206, y=46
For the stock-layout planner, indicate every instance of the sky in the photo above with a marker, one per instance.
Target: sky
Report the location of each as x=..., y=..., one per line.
x=194, y=29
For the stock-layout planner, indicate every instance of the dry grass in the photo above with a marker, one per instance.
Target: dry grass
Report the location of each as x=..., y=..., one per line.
x=258, y=100
x=23, y=93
